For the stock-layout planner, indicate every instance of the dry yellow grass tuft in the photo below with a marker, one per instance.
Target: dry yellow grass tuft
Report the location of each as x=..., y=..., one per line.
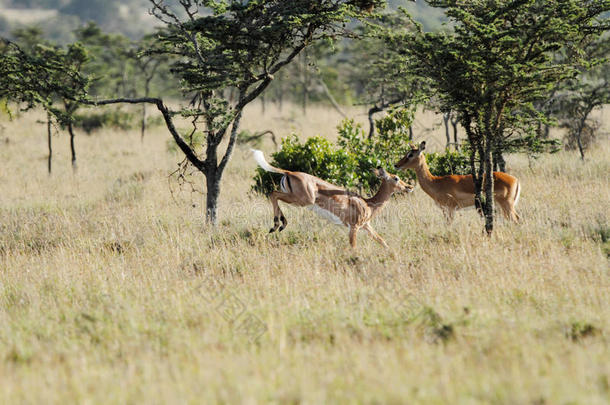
x=111, y=291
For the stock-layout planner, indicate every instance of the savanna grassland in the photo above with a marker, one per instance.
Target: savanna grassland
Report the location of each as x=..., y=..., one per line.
x=114, y=291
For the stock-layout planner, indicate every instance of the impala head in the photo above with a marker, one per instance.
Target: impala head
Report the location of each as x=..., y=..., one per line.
x=392, y=180
x=412, y=158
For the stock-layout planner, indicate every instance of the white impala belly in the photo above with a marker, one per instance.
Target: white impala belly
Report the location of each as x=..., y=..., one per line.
x=326, y=214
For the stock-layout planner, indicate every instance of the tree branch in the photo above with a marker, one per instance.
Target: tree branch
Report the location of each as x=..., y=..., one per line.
x=167, y=115
x=263, y=85
x=229, y=152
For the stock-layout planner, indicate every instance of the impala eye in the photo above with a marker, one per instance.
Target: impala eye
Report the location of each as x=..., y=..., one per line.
x=396, y=179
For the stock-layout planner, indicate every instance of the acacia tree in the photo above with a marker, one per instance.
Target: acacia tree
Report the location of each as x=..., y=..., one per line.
x=583, y=94
x=495, y=63
x=45, y=76
x=149, y=64
x=231, y=46
x=381, y=80
x=111, y=63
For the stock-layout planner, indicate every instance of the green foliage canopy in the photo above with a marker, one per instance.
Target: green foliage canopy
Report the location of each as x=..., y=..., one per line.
x=495, y=63
x=43, y=76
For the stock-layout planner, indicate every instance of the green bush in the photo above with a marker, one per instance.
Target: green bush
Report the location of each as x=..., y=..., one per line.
x=317, y=156
x=117, y=119
x=449, y=162
x=350, y=163
x=384, y=149
x=4, y=109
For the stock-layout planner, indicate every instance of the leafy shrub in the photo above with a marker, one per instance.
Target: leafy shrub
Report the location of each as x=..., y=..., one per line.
x=93, y=121
x=577, y=331
x=317, y=156
x=384, y=149
x=351, y=161
x=589, y=134
x=4, y=109
x=449, y=162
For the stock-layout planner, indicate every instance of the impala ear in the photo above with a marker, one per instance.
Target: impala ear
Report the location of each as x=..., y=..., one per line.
x=381, y=173
x=422, y=145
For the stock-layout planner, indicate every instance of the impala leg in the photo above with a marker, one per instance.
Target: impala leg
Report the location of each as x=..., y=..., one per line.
x=367, y=227
x=514, y=216
x=508, y=210
x=449, y=213
x=277, y=212
x=288, y=198
x=353, y=230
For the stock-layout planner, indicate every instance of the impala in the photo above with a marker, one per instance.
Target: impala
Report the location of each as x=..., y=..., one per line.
x=454, y=191
x=332, y=202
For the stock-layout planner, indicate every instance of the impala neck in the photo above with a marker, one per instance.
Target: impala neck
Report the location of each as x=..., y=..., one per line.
x=377, y=201
x=424, y=176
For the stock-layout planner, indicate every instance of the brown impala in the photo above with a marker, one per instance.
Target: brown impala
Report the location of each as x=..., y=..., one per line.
x=332, y=202
x=454, y=192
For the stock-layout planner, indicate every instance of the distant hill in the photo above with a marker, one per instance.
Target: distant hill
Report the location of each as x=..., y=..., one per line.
x=58, y=18
x=431, y=18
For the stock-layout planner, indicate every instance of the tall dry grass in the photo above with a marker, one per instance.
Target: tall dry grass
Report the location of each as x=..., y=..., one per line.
x=112, y=291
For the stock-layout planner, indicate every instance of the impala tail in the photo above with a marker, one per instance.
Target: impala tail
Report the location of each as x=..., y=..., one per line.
x=260, y=159
x=518, y=192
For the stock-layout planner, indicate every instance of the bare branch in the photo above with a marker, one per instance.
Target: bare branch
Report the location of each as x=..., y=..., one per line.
x=163, y=13
x=269, y=76
x=167, y=115
x=230, y=146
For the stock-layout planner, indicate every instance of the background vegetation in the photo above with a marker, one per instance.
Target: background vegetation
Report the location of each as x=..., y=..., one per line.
x=113, y=288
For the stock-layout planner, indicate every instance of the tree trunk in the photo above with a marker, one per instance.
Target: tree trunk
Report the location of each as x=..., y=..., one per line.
x=72, y=149
x=499, y=162
x=488, y=205
x=578, y=134
x=143, y=123
x=477, y=177
x=454, y=124
x=49, y=130
x=374, y=109
x=371, y=123
x=304, y=101
x=410, y=132
x=580, y=147
x=330, y=97
x=213, y=171
x=280, y=93
x=476, y=173
x=212, y=193
x=305, y=84
x=262, y=104
x=446, y=117
x=144, y=112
